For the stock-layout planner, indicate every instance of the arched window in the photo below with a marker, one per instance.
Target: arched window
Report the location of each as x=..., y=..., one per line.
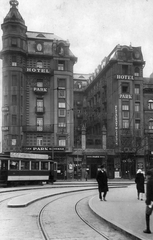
x=150, y=104
x=137, y=71
x=150, y=125
x=39, y=64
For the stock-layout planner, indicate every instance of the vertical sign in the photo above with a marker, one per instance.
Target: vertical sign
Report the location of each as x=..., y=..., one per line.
x=116, y=125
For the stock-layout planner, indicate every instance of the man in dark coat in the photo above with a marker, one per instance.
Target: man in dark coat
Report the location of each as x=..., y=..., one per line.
x=102, y=183
x=149, y=199
x=139, y=180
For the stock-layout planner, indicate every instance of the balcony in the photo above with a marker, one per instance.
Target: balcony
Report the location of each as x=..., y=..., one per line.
x=46, y=128
x=40, y=110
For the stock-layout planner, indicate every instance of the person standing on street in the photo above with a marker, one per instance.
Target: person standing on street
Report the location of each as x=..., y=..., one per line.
x=102, y=183
x=149, y=199
x=139, y=180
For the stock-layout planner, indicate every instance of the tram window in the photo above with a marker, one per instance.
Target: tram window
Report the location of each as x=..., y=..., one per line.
x=3, y=165
x=14, y=164
x=44, y=165
x=34, y=165
x=24, y=165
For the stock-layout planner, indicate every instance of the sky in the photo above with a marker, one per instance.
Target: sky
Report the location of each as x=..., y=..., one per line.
x=93, y=27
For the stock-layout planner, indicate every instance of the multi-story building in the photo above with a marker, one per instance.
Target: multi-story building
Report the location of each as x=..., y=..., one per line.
x=37, y=99
x=113, y=113
x=79, y=120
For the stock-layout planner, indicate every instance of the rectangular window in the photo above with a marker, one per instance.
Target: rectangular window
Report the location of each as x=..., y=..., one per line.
x=44, y=165
x=61, y=104
x=61, y=122
x=62, y=142
x=125, y=88
x=24, y=165
x=137, y=124
x=14, y=119
x=61, y=93
x=40, y=105
x=61, y=65
x=39, y=141
x=62, y=112
x=34, y=165
x=125, y=123
x=137, y=89
x=14, y=80
x=137, y=107
x=39, y=83
x=40, y=124
x=14, y=42
x=14, y=99
x=14, y=164
x=125, y=114
x=14, y=61
x=150, y=104
x=124, y=69
x=61, y=83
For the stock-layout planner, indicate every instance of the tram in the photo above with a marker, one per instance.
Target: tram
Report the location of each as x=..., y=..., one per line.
x=26, y=168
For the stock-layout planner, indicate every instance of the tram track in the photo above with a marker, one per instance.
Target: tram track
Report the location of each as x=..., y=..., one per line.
x=86, y=216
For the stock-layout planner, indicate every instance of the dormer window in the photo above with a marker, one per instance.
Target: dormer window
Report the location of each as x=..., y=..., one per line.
x=39, y=64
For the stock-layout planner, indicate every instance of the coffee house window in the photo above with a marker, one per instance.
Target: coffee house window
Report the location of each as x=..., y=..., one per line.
x=125, y=88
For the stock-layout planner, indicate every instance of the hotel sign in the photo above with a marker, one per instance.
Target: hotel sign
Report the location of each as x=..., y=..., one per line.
x=126, y=96
x=124, y=77
x=39, y=89
x=38, y=70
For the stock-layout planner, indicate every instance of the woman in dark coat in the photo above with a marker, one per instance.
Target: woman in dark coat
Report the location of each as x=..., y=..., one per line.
x=139, y=180
x=102, y=183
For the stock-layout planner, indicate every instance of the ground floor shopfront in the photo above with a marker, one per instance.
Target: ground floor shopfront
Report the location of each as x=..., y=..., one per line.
x=81, y=163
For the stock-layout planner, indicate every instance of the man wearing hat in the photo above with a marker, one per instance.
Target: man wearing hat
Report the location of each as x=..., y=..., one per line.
x=149, y=199
x=102, y=183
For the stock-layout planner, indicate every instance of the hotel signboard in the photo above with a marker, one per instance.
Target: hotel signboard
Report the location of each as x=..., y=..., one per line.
x=37, y=70
x=124, y=77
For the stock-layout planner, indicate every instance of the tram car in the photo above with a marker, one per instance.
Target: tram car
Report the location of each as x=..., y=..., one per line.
x=26, y=168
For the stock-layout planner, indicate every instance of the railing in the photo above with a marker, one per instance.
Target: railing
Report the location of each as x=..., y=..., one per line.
x=45, y=128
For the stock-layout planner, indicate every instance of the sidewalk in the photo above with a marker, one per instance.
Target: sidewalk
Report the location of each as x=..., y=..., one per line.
x=123, y=210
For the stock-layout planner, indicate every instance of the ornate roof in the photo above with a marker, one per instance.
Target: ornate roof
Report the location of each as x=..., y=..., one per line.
x=13, y=14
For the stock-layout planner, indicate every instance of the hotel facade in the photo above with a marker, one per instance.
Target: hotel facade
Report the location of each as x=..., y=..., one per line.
x=79, y=120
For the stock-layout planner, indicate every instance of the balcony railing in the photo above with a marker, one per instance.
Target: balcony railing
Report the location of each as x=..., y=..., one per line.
x=45, y=128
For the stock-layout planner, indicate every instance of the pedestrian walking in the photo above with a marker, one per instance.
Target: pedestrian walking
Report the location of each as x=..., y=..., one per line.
x=149, y=199
x=139, y=180
x=86, y=175
x=102, y=183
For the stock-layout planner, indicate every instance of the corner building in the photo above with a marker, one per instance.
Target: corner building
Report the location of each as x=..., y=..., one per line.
x=37, y=99
x=113, y=113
